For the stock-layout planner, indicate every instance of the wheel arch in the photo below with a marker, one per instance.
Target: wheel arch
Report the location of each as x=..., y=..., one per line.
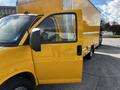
x=27, y=75
x=93, y=47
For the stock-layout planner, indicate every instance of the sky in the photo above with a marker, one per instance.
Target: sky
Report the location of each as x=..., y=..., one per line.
x=7, y=2
x=13, y=2
x=110, y=9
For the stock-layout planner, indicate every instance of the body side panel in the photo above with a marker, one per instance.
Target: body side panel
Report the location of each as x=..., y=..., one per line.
x=15, y=60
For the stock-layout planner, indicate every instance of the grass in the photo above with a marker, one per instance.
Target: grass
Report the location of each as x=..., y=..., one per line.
x=111, y=36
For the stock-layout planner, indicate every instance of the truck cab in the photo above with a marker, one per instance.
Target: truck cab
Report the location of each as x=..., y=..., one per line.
x=40, y=49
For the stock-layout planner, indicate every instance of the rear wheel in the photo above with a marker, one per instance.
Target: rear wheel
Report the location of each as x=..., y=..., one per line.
x=90, y=54
x=18, y=83
x=100, y=41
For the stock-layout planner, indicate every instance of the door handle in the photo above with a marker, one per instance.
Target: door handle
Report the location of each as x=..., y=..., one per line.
x=79, y=50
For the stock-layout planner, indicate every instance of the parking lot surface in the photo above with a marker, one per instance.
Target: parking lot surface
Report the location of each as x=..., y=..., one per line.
x=100, y=73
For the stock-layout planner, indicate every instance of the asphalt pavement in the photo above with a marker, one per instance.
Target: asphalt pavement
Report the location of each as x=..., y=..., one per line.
x=102, y=72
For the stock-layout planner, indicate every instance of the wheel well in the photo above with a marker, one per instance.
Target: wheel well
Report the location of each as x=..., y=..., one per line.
x=27, y=75
x=93, y=47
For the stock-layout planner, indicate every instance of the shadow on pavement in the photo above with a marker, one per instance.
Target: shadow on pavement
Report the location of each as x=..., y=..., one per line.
x=102, y=66
x=100, y=73
x=107, y=71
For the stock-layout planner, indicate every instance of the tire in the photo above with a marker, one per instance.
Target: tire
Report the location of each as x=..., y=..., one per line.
x=100, y=43
x=18, y=83
x=90, y=54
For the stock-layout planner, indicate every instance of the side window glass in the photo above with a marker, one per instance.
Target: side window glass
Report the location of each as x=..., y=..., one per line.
x=48, y=30
x=58, y=28
x=67, y=27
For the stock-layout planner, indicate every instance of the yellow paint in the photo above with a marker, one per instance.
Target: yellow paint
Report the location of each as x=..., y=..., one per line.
x=59, y=63
x=41, y=6
x=90, y=16
x=56, y=63
x=24, y=38
x=15, y=60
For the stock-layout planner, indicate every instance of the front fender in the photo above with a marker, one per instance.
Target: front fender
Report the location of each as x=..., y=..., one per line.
x=15, y=60
x=6, y=77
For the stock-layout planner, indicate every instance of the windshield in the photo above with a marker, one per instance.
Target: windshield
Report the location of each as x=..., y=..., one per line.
x=13, y=27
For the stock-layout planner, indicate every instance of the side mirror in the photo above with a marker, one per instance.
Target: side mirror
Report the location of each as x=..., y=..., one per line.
x=35, y=41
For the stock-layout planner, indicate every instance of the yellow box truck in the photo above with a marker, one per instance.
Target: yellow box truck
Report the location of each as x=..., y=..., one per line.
x=46, y=42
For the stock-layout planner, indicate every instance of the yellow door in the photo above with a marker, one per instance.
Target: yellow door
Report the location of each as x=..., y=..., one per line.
x=59, y=59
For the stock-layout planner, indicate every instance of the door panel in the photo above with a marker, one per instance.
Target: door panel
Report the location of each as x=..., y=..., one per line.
x=58, y=62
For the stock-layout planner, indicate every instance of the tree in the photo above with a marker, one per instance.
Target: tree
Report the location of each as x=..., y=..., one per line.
x=105, y=26
x=115, y=29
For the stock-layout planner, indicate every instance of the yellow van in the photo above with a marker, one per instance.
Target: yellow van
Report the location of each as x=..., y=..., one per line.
x=45, y=48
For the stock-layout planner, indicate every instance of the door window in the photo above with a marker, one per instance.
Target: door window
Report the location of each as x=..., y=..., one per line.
x=48, y=30
x=58, y=28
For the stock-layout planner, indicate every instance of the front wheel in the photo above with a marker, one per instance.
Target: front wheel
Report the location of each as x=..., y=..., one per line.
x=18, y=83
